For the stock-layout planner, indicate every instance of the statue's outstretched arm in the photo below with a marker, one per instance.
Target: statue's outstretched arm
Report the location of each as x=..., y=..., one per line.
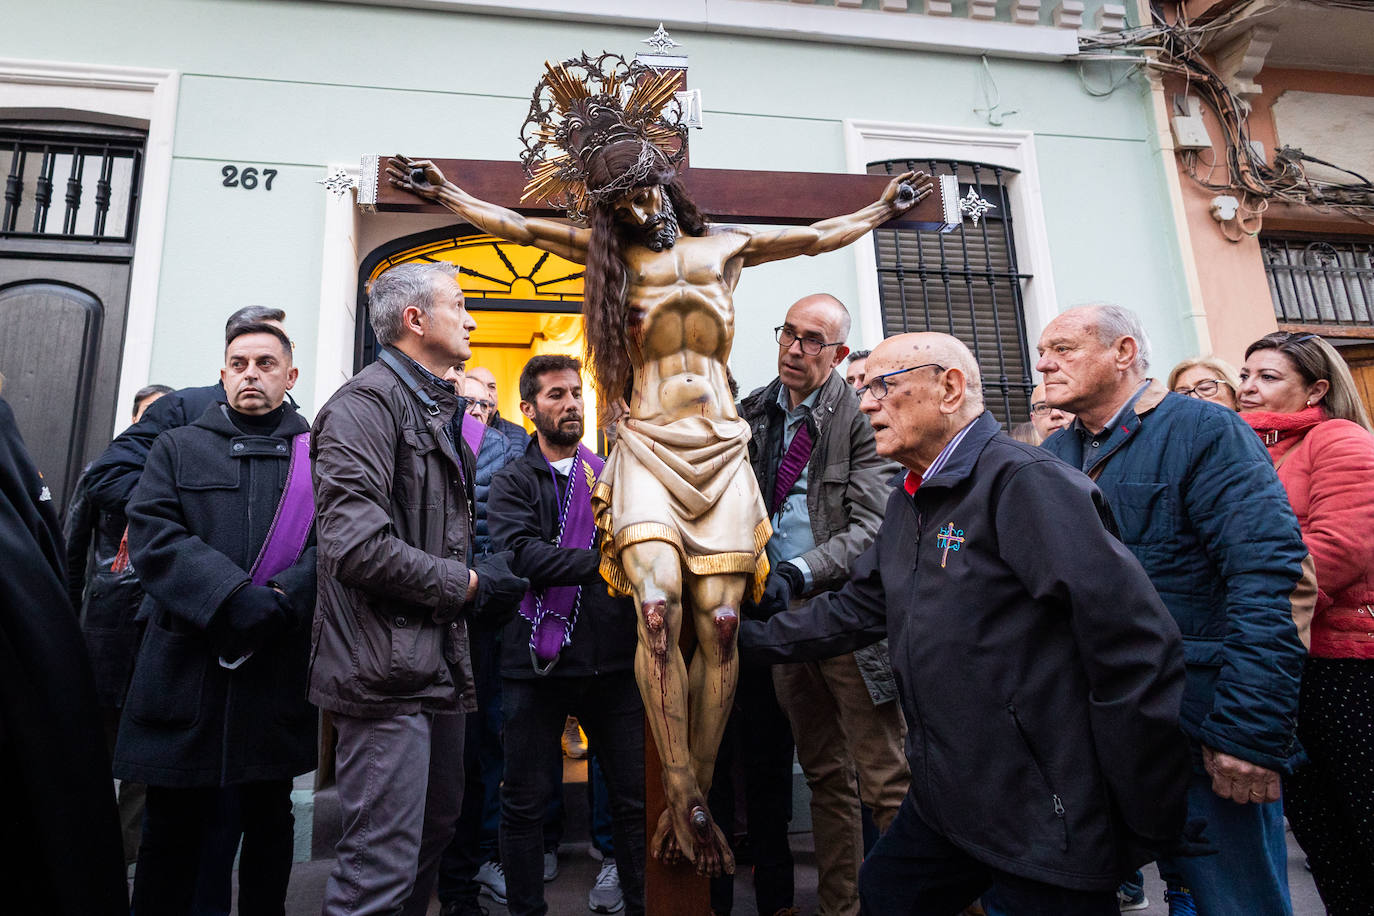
x=424, y=179
x=902, y=193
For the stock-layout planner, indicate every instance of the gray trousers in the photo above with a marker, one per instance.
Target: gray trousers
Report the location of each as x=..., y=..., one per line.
x=400, y=791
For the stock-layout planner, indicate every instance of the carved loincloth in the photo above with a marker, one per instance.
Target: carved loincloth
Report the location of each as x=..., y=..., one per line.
x=688, y=483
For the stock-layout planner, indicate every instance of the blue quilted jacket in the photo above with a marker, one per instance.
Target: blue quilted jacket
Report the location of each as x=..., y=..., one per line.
x=1198, y=503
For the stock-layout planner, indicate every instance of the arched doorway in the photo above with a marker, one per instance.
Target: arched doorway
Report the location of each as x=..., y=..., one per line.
x=525, y=302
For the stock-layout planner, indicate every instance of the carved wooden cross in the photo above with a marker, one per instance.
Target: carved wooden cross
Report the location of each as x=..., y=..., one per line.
x=724, y=195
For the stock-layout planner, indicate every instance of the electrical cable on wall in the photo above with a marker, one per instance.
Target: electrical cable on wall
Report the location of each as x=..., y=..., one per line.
x=1177, y=49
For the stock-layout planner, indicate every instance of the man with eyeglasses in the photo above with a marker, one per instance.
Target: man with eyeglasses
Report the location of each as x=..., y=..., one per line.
x=1199, y=504
x=1046, y=419
x=824, y=487
x=1040, y=680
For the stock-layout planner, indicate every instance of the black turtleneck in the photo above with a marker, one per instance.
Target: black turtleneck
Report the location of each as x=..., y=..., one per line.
x=257, y=425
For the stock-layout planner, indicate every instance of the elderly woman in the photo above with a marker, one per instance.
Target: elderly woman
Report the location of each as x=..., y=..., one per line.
x=1206, y=378
x=1296, y=392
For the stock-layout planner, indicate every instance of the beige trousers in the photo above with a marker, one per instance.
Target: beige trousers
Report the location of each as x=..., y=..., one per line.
x=849, y=750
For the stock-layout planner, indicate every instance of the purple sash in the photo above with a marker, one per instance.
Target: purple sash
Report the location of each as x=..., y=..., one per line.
x=552, y=612
x=295, y=513
x=473, y=433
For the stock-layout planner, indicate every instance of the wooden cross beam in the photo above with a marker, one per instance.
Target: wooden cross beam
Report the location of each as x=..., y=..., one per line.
x=724, y=195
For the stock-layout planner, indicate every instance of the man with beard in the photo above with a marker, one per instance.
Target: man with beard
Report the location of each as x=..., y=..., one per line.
x=570, y=651
x=685, y=522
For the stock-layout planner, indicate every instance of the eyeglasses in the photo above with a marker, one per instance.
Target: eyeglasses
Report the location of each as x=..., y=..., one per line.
x=1040, y=407
x=878, y=386
x=475, y=406
x=1203, y=389
x=809, y=345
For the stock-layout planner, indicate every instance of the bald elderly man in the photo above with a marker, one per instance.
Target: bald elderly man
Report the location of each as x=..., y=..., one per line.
x=1039, y=673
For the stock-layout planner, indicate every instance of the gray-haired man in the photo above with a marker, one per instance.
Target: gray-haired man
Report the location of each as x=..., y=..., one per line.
x=394, y=501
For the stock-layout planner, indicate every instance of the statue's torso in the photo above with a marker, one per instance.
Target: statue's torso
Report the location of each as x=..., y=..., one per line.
x=681, y=327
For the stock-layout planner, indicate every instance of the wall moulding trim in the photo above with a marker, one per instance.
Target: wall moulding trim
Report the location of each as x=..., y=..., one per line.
x=148, y=95
x=775, y=19
x=874, y=141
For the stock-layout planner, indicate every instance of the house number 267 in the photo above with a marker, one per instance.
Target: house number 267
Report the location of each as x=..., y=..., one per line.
x=247, y=178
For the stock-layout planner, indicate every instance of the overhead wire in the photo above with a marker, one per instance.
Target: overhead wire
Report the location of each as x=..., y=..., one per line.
x=1178, y=48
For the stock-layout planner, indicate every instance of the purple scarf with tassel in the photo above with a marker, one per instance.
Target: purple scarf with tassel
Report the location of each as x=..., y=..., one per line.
x=552, y=611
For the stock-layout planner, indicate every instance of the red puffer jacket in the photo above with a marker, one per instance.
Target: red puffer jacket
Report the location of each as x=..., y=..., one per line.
x=1327, y=467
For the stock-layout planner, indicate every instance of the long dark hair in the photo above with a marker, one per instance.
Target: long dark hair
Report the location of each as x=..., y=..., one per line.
x=605, y=284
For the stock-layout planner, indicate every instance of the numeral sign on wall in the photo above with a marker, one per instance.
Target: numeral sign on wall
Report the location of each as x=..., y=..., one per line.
x=247, y=178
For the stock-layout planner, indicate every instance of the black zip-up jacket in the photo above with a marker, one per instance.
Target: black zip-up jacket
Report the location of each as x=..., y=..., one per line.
x=1039, y=672
x=523, y=514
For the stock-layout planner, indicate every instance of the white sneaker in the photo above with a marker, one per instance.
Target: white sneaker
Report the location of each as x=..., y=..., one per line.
x=605, y=896
x=550, y=865
x=492, y=877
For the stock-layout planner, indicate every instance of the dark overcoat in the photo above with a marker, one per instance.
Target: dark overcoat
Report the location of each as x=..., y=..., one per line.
x=197, y=521
x=60, y=851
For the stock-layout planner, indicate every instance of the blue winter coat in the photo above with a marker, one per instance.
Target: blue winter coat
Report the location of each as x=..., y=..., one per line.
x=1197, y=501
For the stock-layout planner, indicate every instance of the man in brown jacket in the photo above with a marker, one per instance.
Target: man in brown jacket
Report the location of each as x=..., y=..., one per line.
x=393, y=495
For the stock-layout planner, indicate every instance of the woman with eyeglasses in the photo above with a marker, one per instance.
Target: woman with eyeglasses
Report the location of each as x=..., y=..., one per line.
x=1206, y=378
x=1298, y=395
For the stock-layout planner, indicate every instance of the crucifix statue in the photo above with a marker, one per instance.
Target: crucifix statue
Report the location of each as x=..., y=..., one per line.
x=683, y=525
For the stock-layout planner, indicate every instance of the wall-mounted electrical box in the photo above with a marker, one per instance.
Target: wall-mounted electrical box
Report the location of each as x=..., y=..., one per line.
x=1190, y=131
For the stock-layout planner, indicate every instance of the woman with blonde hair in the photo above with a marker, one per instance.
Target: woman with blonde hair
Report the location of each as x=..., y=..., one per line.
x=1296, y=392
x=1206, y=378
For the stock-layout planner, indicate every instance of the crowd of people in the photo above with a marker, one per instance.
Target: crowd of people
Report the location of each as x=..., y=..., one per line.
x=1014, y=669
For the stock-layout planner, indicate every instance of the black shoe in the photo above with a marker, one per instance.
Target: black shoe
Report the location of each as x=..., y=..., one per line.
x=463, y=908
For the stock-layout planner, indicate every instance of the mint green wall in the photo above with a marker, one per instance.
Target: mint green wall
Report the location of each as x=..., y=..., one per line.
x=296, y=85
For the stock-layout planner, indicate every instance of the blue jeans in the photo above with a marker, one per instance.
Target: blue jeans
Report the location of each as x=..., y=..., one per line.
x=1249, y=876
x=599, y=803
x=610, y=711
x=914, y=871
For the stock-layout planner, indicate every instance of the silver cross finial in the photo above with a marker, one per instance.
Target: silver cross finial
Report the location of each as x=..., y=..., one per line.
x=338, y=183
x=974, y=206
x=659, y=41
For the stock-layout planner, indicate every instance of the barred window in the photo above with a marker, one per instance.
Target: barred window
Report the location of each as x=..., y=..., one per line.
x=70, y=181
x=965, y=283
x=1323, y=282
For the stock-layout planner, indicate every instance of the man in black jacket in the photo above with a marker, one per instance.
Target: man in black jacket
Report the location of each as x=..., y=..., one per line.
x=105, y=591
x=220, y=532
x=570, y=651
x=1039, y=673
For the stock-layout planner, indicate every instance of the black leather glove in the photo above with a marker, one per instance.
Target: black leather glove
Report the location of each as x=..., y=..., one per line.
x=247, y=618
x=777, y=595
x=1191, y=842
x=499, y=591
x=796, y=582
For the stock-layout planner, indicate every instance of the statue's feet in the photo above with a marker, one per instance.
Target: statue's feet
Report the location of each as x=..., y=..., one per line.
x=664, y=845
x=713, y=855
x=693, y=837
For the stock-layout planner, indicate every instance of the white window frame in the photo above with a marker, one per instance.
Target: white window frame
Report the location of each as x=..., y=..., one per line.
x=73, y=91
x=872, y=141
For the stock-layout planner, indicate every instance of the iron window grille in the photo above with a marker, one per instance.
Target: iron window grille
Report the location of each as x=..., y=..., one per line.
x=71, y=181
x=1327, y=282
x=965, y=283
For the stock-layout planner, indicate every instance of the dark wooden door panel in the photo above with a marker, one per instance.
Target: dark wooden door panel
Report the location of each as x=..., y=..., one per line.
x=49, y=333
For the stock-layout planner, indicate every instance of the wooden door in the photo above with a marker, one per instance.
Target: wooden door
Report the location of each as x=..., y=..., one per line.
x=1361, y=362
x=66, y=248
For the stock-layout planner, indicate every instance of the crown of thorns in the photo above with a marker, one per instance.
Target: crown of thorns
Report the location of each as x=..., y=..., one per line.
x=583, y=105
